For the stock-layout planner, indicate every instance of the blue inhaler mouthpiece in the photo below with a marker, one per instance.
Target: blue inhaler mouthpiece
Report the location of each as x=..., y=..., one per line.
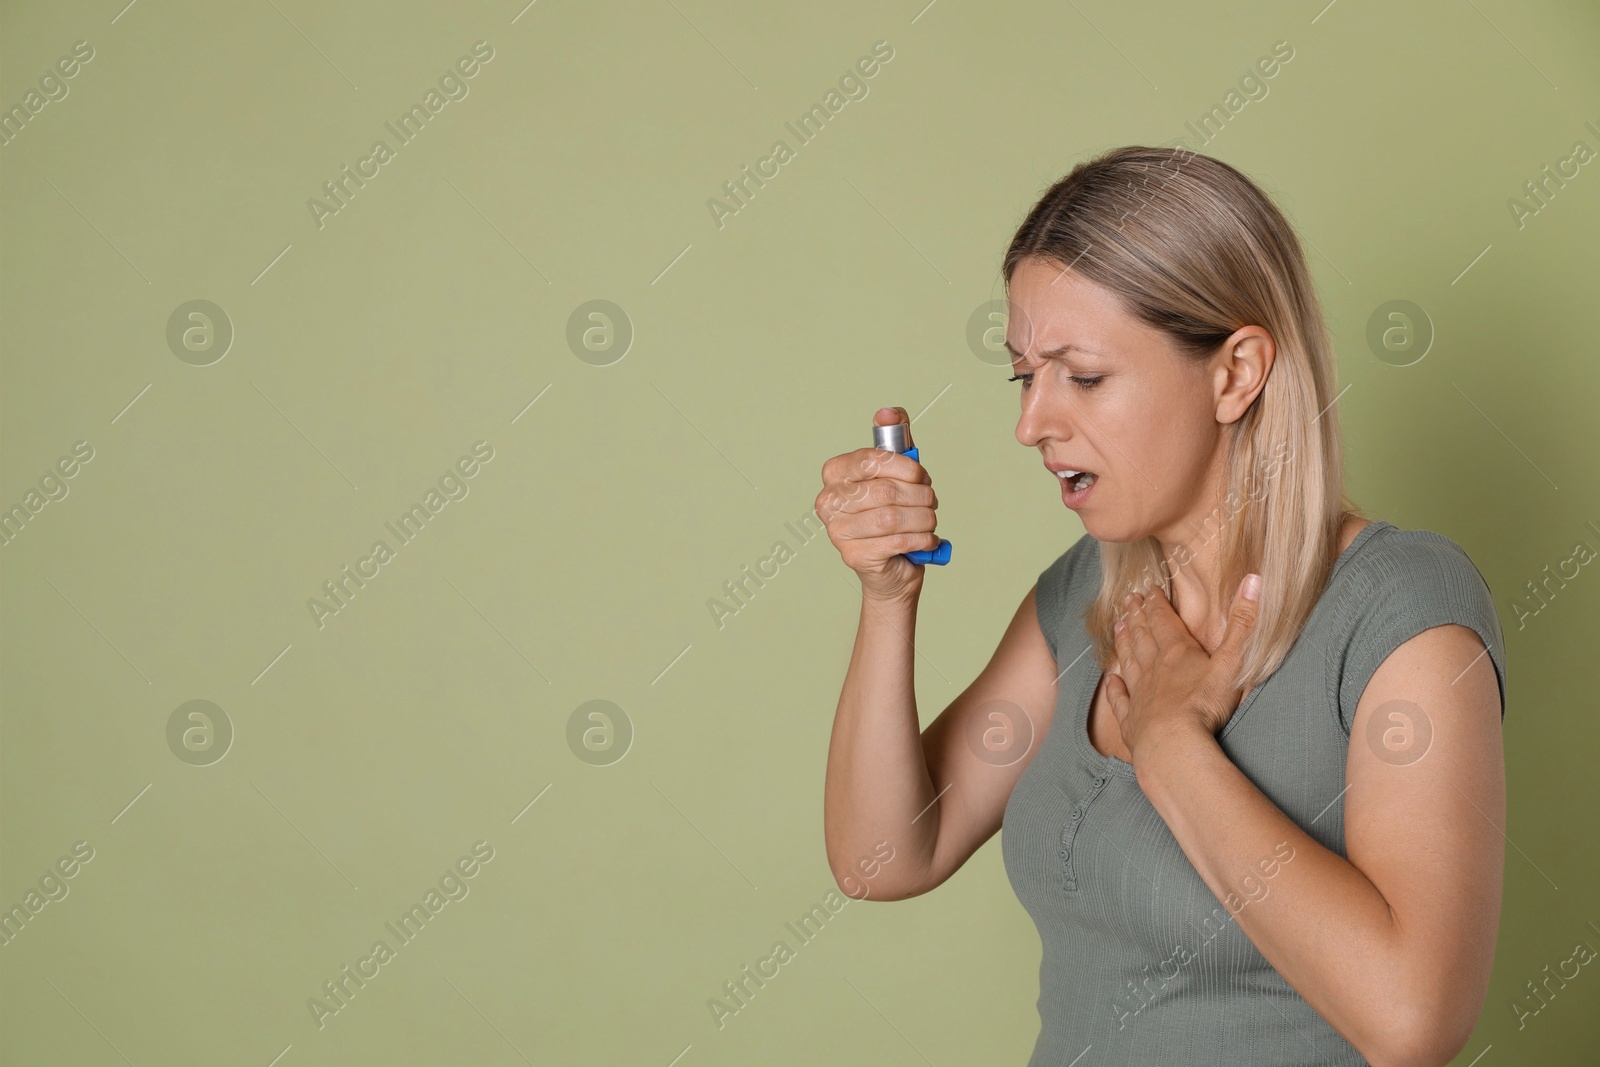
x=893, y=439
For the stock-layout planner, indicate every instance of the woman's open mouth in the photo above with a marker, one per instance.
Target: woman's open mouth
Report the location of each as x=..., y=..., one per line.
x=1076, y=486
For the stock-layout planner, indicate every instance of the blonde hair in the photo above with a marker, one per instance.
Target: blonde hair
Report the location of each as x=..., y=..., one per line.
x=1195, y=249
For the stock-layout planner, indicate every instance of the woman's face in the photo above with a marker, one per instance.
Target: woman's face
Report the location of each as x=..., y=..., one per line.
x=1122, y=404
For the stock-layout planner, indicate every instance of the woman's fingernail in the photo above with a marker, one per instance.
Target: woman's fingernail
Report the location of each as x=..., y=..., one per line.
x=1118, y=627
x=1251, y=587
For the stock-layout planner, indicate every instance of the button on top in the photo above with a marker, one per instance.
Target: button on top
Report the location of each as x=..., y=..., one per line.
x=1077, y=813
x=1098, y=782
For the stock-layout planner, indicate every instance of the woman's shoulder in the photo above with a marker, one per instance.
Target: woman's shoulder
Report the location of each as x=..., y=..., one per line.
x=1066, y=586
x=1412, y=563
x=1392, y=584
x=1081, y=556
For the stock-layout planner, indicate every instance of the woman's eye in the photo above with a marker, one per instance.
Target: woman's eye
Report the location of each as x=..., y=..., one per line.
x=1081, y=383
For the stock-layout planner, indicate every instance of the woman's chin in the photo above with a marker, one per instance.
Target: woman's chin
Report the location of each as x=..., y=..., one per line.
x=1098, y=528
x=1095, y=528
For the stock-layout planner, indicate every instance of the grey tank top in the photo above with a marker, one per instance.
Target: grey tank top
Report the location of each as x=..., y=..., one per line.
x=1142, y=965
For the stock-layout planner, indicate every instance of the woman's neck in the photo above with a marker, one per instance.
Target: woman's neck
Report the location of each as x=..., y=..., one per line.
x=1194, y=584
x=1195, y=597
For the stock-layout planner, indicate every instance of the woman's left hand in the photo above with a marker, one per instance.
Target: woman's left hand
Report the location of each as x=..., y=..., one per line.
x=1165, y=679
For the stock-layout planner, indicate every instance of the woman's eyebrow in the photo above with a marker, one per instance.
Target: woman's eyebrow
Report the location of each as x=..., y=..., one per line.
x=1059, y=350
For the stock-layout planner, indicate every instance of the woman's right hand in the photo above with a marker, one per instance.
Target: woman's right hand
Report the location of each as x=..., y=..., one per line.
x=877, y=506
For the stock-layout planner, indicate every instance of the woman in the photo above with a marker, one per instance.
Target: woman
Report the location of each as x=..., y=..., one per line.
x=1308, y=875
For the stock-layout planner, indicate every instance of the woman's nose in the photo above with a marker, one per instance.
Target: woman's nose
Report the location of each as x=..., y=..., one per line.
x=1038, y=417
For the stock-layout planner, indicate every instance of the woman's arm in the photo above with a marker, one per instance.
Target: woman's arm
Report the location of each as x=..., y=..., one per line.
x=876, y=781
x=928, y=794
x=1393, y=947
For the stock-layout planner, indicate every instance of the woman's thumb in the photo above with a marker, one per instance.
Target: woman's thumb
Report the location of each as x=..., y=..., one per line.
x=890, y=416
x=1117, y=695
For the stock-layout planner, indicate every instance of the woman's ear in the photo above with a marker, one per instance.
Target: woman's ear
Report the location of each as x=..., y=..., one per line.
x=1243, y=364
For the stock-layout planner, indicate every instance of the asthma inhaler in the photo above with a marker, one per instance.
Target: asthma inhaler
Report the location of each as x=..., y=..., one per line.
x=893, y=439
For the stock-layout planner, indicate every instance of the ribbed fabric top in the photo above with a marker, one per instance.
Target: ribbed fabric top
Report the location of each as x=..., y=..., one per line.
x=1142, y=965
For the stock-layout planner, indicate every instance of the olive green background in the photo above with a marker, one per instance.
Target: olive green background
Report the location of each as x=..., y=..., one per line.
x=369, y=354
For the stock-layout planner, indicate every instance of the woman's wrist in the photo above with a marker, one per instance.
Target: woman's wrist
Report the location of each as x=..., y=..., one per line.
x=1173, y=745
x=900, y=602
